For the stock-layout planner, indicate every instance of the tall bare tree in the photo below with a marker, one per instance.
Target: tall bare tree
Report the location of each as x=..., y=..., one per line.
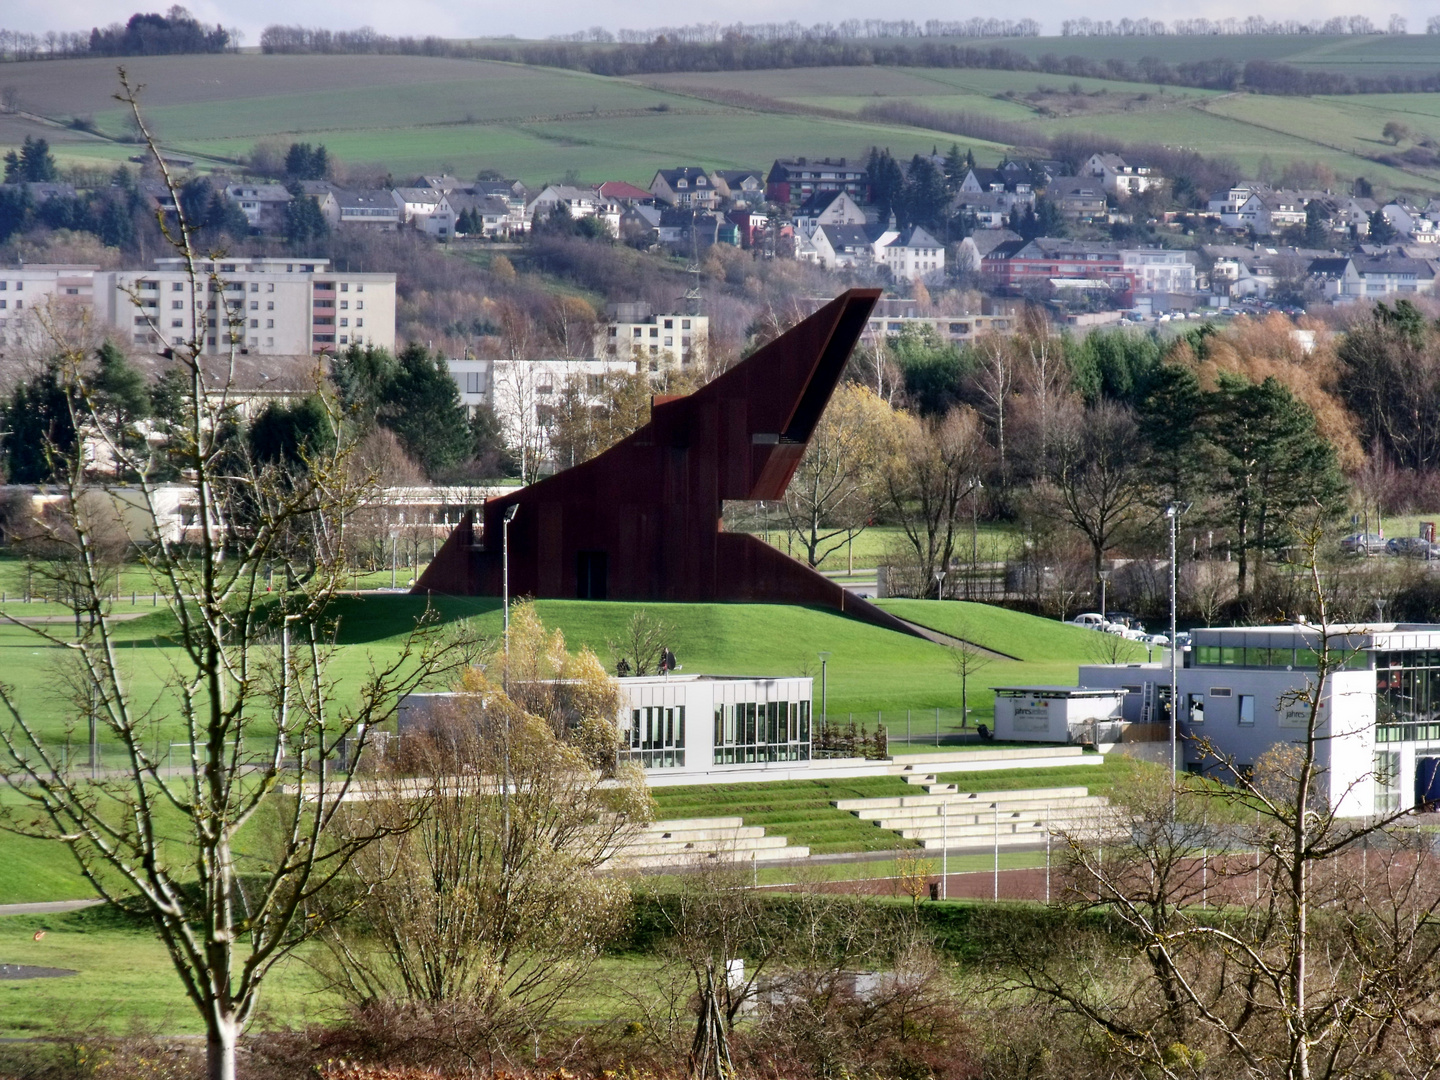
x=837, y=489
x=1094, y=481
x=934, y=466
x=994, y=378
x=244, y=664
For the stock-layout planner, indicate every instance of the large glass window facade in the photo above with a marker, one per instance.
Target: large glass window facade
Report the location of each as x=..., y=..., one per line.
x=1407, y=696
x=762, y=731
x=657, y=737
x=1272, y=655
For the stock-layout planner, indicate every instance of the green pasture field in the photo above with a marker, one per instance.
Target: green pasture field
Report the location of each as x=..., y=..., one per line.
x=1379, y=54
x=412, y=114
x=1339, y=132
x=599, y=148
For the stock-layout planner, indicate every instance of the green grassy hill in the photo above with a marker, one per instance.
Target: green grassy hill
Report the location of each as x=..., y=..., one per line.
x=411, y=114
x=1340, y=132
x=870, y=670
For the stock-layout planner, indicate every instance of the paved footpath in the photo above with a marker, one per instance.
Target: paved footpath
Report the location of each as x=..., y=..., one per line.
x=53, y=907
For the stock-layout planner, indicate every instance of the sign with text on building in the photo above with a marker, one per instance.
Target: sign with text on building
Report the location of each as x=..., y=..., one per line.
x=1032, y=714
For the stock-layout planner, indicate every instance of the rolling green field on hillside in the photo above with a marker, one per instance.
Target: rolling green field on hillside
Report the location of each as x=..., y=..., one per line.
x=1375, y=54
x=1338, y=132
x=413, y=114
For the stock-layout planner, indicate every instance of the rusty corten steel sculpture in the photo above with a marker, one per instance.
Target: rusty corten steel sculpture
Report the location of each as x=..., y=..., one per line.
x=642, y=521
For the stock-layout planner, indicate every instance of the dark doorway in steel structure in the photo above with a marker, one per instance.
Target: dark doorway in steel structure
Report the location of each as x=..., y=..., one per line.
x=591, y=572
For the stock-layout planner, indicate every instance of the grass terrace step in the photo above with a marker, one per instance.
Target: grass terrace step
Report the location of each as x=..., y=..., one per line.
x=802, y=810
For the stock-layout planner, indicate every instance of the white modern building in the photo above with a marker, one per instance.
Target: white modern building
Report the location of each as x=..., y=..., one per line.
x=657, y=341
x=710, y=724
x=1245, y=689
x=526, y=393
x=1158, y=270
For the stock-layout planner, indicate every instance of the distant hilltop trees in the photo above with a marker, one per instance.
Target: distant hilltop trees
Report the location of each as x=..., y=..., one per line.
x=1254, y=25
x=177, y=31
x=847, y=30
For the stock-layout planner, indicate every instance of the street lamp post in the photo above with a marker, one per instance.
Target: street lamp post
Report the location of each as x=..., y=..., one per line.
x=939, y=584
x=975, y=488
x=394, y=544
x=945, y=851
x=1104, y=581
x=1173, y=512
x=824, y=696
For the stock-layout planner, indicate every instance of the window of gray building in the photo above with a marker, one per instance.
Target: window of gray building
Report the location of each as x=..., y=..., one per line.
x=762, y=731
x=657, y=737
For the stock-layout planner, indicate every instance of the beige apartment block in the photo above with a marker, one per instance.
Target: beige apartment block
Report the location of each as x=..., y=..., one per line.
x=279, y=306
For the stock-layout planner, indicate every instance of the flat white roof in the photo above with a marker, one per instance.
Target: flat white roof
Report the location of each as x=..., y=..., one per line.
x=1061, y=691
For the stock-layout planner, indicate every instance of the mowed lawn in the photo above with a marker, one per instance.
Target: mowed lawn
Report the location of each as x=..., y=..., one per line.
x=125, y=981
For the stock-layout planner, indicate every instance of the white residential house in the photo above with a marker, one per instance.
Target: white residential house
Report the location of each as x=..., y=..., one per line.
x=1377, y=277
x=1266, y=212
x=836, y=246
x=912, y=254
x=416, y=204
x=689, y=188
x=1411, y=223
x=827, y=208
x=1122, y=177
x=745, y=186
x=1226, y=204
x=580, y=202
x=263, y=205
x=495, y=216
x=371, y=209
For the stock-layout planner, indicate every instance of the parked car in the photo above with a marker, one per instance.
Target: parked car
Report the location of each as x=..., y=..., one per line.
x=1416, y=547
x=1159, y=640
x=1090, y=620
x=1364, y=544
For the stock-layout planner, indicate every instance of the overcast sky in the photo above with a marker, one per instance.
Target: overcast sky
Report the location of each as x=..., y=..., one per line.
x=540, y=18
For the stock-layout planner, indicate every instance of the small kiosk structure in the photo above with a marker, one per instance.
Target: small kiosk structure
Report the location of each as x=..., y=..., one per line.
x=1057, y=714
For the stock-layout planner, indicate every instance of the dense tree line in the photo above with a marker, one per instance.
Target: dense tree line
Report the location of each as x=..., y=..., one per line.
x=152, y=34
x=177, y=31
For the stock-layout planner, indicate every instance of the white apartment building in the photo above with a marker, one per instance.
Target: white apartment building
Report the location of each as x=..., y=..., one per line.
x=27, y=291
x=526, y=393
x=655, y=341
x=280, y=306
x=1159, y=271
